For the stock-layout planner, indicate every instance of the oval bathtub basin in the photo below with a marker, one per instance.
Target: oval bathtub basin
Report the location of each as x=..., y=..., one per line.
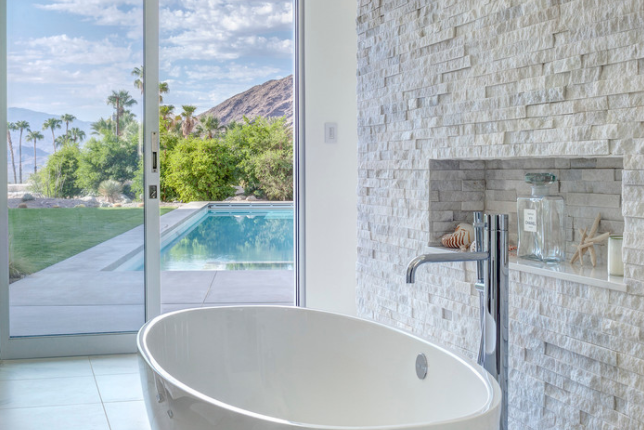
x=281, y=368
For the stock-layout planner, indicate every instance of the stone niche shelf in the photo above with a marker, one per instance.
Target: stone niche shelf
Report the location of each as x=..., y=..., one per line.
x=589, y=186
x=587, y=275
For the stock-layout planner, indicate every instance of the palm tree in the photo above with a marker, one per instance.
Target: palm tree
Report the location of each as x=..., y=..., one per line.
x=22, y=126
x=166, y=114
x=120, y=101
x=12, y=127
x=62, y=140
x=163, y=89
x=101, y=126
x=77, y=135
x=210, y=126
x=67, y=118
x=188, y=120
x=138, y=83
x=34, y=136
x=52, y=124
x=177, y=125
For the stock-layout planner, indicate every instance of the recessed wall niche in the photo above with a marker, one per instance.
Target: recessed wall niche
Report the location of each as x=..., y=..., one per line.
x=588, y=185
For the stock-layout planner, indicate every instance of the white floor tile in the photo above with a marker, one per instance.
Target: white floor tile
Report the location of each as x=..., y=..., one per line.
x=115, y=364
x=120, y=388
x=25, y=393
x=127, y=416
x=76, y=417
x=66, y=394
x=44, y=368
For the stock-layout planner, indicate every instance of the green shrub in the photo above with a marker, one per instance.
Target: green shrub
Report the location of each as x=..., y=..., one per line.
x=274, y=172
x=18, y=267
x=266, y=149
x=137, y=182
x=110, y=189
x=108, y=158
x=199, y=169
x=35, y=184
x=59, y=177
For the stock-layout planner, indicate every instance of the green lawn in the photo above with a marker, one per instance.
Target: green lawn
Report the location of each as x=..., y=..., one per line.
x=42, y=237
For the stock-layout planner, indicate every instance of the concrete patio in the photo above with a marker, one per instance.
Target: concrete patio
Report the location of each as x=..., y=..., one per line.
x=84, y=294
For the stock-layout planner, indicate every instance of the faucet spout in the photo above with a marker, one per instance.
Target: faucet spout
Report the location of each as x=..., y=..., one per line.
x=492, y=273
x=443, y=257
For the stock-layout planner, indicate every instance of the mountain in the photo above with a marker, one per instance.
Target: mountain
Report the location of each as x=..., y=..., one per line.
x=36, y=120
x=270, y=99
x=27, y=153
x=27, y=161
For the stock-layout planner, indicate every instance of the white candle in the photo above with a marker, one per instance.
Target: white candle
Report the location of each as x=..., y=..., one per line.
x=615, y=262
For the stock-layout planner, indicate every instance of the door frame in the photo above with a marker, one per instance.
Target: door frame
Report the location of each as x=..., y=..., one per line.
x=88, y=344
x=115, y=343
x=299, y=153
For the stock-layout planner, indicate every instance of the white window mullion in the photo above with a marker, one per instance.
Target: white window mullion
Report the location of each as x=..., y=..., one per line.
x=151, y=156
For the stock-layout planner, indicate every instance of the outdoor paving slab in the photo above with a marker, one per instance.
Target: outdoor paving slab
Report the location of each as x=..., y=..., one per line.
x=252, y=286
x=113, y=252
x=83, y=294
x=49, y=320
x=186, y=286
x=78, y=288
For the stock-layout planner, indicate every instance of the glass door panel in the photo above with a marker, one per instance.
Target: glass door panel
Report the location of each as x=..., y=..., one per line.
x=229, y=69
x=74, y=171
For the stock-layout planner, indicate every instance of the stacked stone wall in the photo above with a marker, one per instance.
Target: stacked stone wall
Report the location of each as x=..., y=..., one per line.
x=500, y=81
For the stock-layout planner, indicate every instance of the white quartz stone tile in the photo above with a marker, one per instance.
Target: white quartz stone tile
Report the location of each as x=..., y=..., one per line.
x=74, y=417
x=127, y=416
x=119, y=388
x=44, y=368
x=23, y=393
x=114, y=364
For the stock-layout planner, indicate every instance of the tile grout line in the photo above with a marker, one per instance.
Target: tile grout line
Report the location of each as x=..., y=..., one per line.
x=203, y=302
x=100, y=396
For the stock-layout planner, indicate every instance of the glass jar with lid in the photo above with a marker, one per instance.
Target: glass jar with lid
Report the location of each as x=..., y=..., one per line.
x=541, y=218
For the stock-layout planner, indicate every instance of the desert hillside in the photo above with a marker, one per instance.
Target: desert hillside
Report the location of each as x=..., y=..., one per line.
x=270, y=99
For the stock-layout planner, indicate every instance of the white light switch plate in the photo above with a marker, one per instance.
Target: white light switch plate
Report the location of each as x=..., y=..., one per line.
x=331, y=132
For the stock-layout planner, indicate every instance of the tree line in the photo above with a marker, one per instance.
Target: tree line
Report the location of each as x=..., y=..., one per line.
x=201, y=158
x=75, y=135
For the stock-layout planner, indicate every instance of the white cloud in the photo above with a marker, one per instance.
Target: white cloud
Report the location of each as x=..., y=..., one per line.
x=234, y=72
x=173, y=72
x=58, y=60
x=62, y=49
x=250, y=16
x=121, y=13
x=73, y=72
x=225, y=30
x=210, y=50
x=197, y=29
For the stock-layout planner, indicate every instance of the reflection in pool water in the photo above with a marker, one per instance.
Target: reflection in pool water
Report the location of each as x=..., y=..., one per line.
x=234, y=241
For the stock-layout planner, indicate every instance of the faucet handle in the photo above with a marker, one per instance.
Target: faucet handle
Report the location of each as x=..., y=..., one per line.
x=478, y=219
x=479, y=238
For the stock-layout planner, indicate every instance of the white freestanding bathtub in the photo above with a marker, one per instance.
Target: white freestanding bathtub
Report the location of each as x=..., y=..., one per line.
x=279, y=368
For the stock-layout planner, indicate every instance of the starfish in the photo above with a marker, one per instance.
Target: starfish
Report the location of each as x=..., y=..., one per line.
x=588, y=241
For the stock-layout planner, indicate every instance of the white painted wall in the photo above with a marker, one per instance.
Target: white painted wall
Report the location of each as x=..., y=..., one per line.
x=331, y=171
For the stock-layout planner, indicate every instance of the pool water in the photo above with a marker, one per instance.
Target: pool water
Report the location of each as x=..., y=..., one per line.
x=234, y=240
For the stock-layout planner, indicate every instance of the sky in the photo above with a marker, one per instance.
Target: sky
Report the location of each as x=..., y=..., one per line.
x=67, y=56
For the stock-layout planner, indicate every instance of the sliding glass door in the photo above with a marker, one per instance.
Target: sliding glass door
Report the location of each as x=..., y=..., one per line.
x=79, y=180
x=81, y=224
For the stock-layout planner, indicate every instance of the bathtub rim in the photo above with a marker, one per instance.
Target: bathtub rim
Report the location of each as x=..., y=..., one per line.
x=492, y=387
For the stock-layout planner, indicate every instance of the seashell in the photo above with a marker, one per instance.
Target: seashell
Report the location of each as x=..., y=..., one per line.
x=462, y=237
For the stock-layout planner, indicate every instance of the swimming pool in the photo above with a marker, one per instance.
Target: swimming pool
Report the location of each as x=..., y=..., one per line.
x=253, y=237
